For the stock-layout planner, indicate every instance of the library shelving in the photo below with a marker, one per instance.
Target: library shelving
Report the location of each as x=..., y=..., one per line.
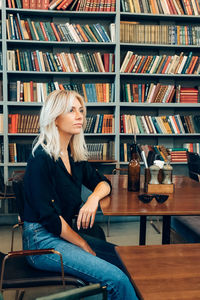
x=44, y=76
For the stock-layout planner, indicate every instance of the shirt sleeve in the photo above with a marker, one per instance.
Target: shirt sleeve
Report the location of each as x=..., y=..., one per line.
x=40, y=193
x=92, y=177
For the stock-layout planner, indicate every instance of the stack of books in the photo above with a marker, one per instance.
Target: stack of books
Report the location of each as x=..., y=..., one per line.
x=178, y=154
x=189, y=95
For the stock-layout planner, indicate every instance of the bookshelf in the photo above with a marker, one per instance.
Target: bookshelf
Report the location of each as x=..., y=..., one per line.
x=116, y=107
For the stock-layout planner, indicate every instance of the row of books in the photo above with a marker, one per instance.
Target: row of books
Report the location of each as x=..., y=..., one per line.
x=19, y=152
x=26, y=4
x=192, y=147
x=167, y=7
x=160, y=151
x=101, y=151
x=100, y=123
x=161, y=64
x=23, y=123
x=77, y=5
x=159, y=34
x=18, y=29
x=178, y=155
x=154, y=93
x=39, y=61
x=175, y=124
x=38, y=91
x=149, y=93
x=84, y=5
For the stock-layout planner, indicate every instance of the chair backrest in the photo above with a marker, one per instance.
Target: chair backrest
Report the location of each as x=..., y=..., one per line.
x=194, y=165
x=2, y=184
x=18, y=188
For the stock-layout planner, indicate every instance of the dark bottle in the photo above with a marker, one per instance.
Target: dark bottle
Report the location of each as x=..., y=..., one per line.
x=134, y=170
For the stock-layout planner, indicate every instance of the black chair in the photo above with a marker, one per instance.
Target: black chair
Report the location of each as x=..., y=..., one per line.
x=75, y=294
x=6, y=191
x=16, y=273
x=194, y=165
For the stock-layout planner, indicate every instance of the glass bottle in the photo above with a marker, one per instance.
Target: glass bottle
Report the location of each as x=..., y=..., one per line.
x=134, y=170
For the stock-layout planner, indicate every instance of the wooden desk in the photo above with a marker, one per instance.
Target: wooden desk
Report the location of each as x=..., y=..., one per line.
x=163, y=272
x=184, y=201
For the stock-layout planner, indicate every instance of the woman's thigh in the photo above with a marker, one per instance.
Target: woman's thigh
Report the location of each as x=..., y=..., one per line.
x=76, y=261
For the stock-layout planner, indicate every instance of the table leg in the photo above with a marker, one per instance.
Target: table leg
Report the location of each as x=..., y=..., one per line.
x=166, y=230
x=143, y=220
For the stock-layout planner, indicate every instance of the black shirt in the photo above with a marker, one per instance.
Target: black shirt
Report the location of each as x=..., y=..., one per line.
x=51, y=191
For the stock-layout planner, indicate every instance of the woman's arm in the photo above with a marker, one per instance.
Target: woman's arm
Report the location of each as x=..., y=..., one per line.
x=67, y=233
x=88, y=211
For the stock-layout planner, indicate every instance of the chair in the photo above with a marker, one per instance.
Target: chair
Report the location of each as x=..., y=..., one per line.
x=6, y=190
x=90, y=290
x=16, y=273
x=194, y=165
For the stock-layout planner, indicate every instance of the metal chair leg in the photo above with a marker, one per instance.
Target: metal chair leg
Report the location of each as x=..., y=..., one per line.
x=108, y=227
x=154, y=226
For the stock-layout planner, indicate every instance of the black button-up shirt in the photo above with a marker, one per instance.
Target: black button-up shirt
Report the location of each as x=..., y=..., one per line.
x=51, y=191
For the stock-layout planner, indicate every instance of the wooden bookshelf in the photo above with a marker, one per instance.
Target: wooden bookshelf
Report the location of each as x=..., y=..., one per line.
x=112, y=76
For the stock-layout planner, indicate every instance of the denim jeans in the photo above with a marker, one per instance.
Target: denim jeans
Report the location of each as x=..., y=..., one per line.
x=78, y=262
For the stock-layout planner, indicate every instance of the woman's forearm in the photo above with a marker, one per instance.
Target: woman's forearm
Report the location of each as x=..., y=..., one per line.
x=87, y=213
x=68, y=234
x=102, y=190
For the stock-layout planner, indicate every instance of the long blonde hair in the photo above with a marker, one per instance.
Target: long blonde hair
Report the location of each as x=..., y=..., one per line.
x=57, y=103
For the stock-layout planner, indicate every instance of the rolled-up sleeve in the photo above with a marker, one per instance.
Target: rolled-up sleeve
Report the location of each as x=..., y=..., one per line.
x=40, y=194
x=92, y=177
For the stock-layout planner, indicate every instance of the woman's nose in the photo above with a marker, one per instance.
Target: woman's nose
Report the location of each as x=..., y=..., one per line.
x=78, y=115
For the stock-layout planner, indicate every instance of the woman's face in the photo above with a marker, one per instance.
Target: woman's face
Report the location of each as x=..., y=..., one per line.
x=71, y=123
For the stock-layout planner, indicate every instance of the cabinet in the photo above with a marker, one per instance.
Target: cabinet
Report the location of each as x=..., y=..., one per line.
x=117, y=107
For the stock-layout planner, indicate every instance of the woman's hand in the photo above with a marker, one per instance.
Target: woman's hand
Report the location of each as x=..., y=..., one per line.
x=87, y=213
x=87, y=248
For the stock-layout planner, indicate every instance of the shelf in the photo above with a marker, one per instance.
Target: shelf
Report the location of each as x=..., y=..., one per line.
x=54, y=13
x=62, y=43
x=159, y=46
x=179, y=76
x=165, y=17
x=85, y=74
x=161, y=134
x=160, y=105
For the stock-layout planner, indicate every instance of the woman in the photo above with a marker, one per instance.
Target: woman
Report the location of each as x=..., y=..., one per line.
x=55, y=173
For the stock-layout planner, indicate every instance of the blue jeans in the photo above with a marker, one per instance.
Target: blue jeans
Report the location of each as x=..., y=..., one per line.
x=76, y=261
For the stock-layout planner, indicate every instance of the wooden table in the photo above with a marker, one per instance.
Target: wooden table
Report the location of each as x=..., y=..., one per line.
x=168, y=272
x=184, y=201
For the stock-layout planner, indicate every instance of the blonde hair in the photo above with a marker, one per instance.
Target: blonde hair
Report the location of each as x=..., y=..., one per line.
x=57, y=103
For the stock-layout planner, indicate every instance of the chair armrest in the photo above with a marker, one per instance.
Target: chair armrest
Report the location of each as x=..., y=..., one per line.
x=27, y=253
